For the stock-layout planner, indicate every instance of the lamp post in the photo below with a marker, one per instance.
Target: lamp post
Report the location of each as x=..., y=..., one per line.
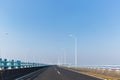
x=75, y=38
x=64, y=57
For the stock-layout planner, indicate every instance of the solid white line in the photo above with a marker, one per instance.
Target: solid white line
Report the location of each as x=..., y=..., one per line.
x=27, y=75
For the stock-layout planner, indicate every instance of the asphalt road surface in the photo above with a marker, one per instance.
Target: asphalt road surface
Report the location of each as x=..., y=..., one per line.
x=58, y=73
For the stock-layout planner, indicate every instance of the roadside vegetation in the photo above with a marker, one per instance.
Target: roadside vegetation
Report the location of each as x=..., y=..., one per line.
x=107, y=74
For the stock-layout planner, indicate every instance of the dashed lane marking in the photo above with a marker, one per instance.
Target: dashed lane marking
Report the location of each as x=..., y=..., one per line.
x=58, y=72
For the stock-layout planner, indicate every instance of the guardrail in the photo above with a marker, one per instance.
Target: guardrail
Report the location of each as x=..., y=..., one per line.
x=12, y=64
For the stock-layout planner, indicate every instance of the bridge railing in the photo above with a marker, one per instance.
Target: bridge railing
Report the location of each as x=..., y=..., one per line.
x=12, y=64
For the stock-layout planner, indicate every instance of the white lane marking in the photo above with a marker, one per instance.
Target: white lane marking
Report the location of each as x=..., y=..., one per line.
x=58, y=72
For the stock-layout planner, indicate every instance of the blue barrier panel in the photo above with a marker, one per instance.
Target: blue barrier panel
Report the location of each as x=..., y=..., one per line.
x=18, y=64
x=1, y=63
x=12, y=64
x=5, y=64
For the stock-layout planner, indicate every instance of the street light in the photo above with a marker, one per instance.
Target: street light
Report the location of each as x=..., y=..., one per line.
x=75, y=38
x=65, y=57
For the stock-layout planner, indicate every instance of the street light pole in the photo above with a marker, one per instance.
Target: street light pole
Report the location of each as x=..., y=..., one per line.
x=64, y=57
x=75, y=38
x=75, y=51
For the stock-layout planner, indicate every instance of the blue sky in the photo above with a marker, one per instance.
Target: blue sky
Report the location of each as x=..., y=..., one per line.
x=39, y=30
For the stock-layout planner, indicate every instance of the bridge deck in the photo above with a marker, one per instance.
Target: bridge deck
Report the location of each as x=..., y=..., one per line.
x=57, y=73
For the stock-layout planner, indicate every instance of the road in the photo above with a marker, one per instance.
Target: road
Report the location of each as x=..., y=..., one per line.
x=58, y=73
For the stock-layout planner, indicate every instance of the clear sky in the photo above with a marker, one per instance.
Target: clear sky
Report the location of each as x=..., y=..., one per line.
x=38, y=30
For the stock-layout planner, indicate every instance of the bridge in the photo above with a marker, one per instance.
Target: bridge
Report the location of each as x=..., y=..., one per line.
x=18, y=70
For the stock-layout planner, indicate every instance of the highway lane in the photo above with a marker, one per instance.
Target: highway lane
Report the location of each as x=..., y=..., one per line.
x=58, y=73
x=32, y=75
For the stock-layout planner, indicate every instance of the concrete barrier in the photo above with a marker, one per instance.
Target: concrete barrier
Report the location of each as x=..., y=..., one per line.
x=12, y=74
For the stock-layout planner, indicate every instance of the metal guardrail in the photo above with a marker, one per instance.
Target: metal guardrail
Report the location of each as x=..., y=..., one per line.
x=12, y=64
